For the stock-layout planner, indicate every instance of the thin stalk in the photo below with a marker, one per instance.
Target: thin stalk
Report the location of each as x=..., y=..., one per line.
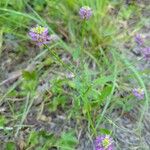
x=111, y=94
x=24, y=114
x=60, y=61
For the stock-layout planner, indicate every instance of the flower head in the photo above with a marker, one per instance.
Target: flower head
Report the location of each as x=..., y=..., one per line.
x=104, y=142
x=146, y=52
x=39, y=35
x=139, y=93
x=85, y=12
x=139, y=40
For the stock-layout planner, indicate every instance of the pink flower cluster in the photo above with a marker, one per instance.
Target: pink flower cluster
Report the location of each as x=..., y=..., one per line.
x=104, y=142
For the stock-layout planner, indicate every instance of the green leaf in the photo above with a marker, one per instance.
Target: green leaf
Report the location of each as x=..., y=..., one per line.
x=105, y=131
x=102, y=80
x=105, y=92
x=33, y=139
x=3, y=120
x=76, y=53
x=68, y=141
x=29, y=75
x=10, y=146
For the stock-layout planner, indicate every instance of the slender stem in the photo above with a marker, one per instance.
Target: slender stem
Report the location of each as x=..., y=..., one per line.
x=60, y=61
x=110, y=96
x=24, y=114
x=28, y=105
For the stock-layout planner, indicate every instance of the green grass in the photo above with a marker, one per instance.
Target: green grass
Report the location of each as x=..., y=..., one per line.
x=96, y=59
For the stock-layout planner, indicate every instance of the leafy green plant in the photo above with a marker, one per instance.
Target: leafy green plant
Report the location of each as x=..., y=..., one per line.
x=3, y=120
x=90, y=50
x=40, y=140
x=67, y=141
x=10, y=146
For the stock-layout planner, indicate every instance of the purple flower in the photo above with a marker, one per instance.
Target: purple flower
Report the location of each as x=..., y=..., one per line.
x=139, y=40
x=85, y=12
x=146, y=52
x=104, y=142
x=139, y=93
x=39, y=35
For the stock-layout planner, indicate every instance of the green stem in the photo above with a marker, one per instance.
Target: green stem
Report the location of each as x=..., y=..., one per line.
x=111, y=94
x=24, y=114
x=60, y=61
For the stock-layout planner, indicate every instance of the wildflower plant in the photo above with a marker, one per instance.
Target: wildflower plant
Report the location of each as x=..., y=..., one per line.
x=104, y=142
x=97, y=74
x=146, y=52
x=39, y=35
x=85, y=12
x=139, y=93
x=139, y=40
